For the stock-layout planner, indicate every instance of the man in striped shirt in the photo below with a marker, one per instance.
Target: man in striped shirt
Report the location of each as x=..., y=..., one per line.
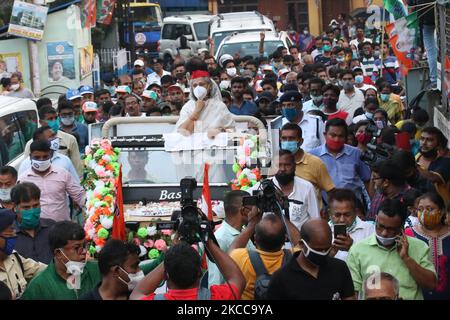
x=368, y=61
x=390, y=66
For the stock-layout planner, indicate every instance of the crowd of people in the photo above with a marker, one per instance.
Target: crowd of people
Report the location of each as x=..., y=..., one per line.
x=368, y=175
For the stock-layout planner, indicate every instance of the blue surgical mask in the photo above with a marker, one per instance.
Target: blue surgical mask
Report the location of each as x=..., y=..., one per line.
x=30, y=218
x=326, y=48
x=10, y=243
x=291, y=146
x=385, y=96
x=359, y=79
x=289, y=113
x=53, y=124
x=368, y=115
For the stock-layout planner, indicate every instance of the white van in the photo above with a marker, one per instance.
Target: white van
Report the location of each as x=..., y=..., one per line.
x=194, y=27
x=18, y=121
x=226, y=24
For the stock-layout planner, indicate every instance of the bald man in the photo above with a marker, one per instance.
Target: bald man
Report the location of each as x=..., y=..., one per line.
x=333, y=282
x=270, y=236
x=381, y=286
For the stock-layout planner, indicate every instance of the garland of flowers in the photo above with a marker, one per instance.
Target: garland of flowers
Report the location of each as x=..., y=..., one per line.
x=247, y=153
x=151, y=241
x=102, y=169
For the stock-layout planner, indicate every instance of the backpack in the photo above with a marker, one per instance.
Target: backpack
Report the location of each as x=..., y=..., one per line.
x=202, y=294
x=262, y=276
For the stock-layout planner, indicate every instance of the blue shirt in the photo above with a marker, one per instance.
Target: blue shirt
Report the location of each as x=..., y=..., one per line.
x=247, y=108
x=82, y=131
x=347, y=170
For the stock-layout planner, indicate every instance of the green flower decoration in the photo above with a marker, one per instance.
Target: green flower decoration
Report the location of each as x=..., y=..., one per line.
x=142, y=232
x=153, y=254
x=103, y=233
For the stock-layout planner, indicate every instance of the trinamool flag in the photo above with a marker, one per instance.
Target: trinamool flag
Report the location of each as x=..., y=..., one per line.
x=105, y=10
x=403, y=36
x=396, y=7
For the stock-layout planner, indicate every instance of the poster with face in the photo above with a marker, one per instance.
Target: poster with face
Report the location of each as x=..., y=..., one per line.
x=61, y=61
x=86, y=61
x=10, y=63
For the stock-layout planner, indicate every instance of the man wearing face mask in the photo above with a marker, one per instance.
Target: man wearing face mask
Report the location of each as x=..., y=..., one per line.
x=319, y=276
x=342, y=208
x=360, y=80
x=370, y=106
x=66, y=113
x=45, y=133
x=315, y=91
x=239, y=106
x=236, y=219
x=389, y=104
x=350, y=99
x=433, y=163
x=368, y=61
x=325, y=57
x=390, y=250
x=343, y=162
x=68, y=145
x=311, y=125
x=32, y=235
x=308, y=167
x=15, y=270
x=69, y=276
x=17, y=88
x=118, y=263
x=56, y=182
x=295, y=188
x=8, y=179
x=330, y=103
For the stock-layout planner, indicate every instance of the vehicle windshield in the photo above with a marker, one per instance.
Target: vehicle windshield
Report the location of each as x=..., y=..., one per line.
x=161, y=167
x=146, y=14
x=201, y=29
x=249, y=48
x=219, y=36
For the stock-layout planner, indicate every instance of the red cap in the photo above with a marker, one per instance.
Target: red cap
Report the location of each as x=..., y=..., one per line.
x=200, y=74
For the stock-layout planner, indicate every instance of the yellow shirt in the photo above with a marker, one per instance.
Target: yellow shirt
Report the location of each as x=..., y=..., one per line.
x=312, y=169
x=272, y=261
x=393, y=109
x=402, y=122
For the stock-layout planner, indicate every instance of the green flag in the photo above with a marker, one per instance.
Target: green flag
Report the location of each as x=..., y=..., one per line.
x=396, y=8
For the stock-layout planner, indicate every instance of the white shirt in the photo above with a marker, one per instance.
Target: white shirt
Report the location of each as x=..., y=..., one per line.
x=361, y=231
x=155, y=78
x=312, y=131
x=361, y=117
x=303, y=191
x=366, y=86
x=58, y=160
x=351, y=104
x=355, y=42
x=315, y=53
x=309, y=106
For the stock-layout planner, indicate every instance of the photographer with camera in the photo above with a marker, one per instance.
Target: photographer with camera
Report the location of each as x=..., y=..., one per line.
x=182, y=271
x=236, y=217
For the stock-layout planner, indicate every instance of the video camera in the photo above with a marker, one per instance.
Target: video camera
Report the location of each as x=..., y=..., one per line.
x=376, y=152
x=191, y=223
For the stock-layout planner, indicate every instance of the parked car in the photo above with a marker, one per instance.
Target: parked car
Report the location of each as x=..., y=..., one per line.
x=247, y=44
x=194, y=27
x=226, y=24
x=18, y=121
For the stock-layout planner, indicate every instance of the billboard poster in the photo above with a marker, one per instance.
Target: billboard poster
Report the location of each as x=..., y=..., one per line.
x=27, y=20
x=61, y=61
x=86, y=61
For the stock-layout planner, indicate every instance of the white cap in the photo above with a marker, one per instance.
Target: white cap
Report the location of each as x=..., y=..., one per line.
x=224, y=58
x=139, y=63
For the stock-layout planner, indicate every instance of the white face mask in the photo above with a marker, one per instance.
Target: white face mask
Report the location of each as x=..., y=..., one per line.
x=41, y=165
x=15, y=87
x=200, y=92
x=5, y=194
x=68, y=121
x=224, y=84
x=231, y=72
x=135, y=278
x=54, y=144
x=385, y=241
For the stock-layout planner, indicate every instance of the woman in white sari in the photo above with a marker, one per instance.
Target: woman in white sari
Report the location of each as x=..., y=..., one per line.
x=204, y=112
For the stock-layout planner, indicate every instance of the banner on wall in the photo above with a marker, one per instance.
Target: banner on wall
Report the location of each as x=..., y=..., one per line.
x=9, y=63
x=61, y=61
x=27, y=20
x=86, y=61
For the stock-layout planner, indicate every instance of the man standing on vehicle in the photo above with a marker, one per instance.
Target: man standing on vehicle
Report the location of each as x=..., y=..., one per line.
x=239, y=106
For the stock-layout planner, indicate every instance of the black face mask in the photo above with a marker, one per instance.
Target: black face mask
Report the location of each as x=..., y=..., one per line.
x=429, y=154
x=180, y=76
x=317, y=259
x=285, y=178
